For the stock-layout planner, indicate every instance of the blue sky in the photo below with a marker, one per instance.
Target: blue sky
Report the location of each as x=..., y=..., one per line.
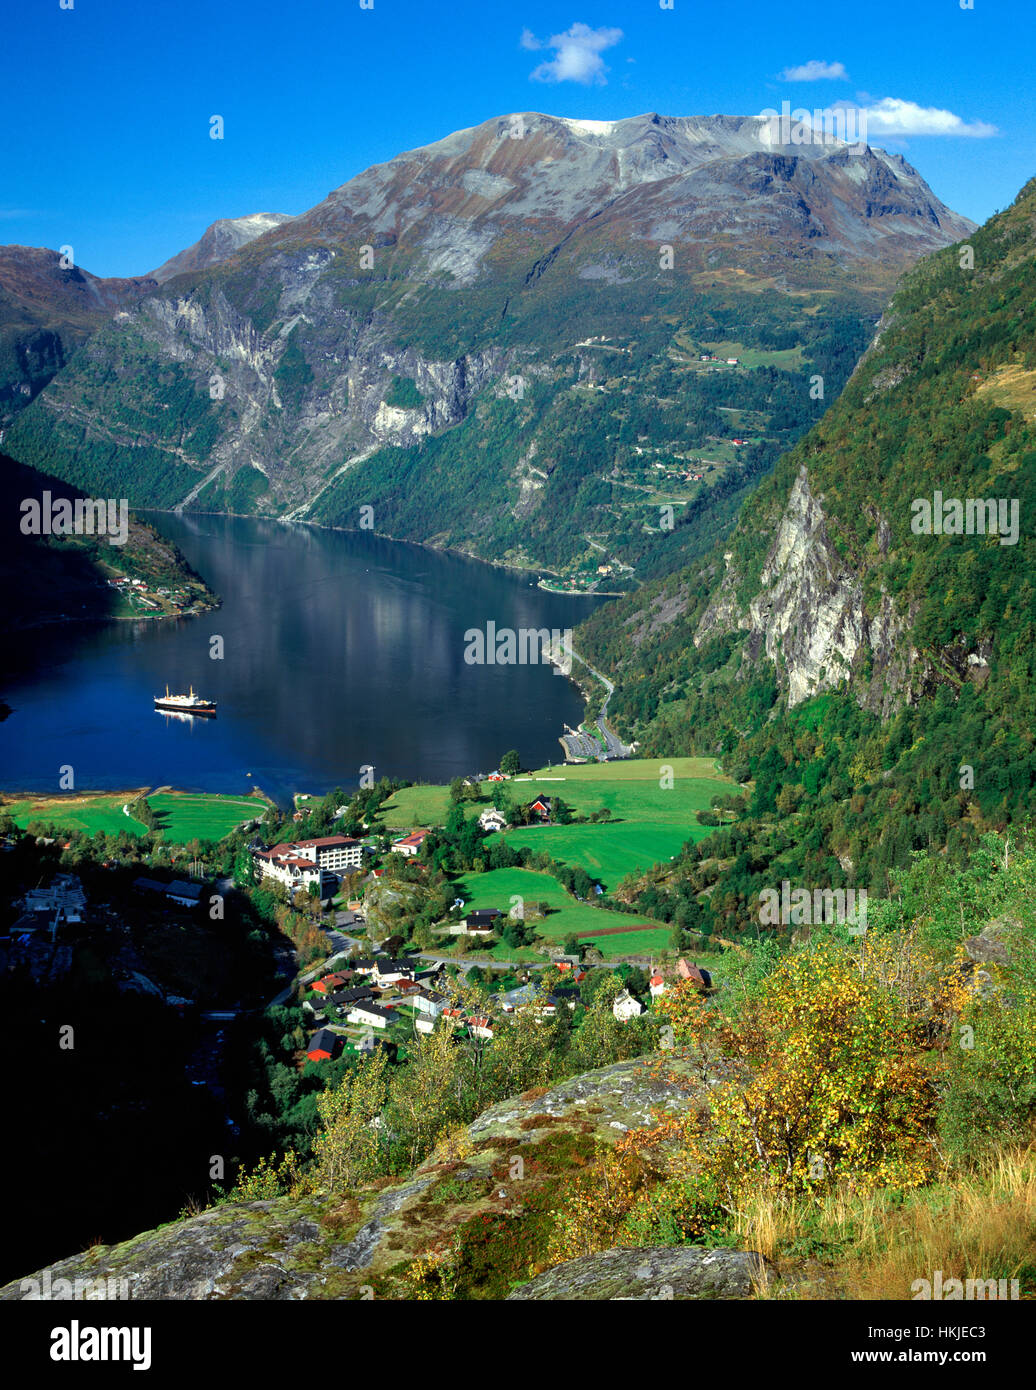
x=106, y=106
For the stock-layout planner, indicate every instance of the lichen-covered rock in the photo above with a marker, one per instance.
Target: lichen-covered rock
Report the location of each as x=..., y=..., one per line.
x=341, y=1247
x=651, y=1273
x=616, y=1097
x=243, y=1250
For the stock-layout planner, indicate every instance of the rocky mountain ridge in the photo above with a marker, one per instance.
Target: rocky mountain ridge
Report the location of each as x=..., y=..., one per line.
x=219, y=241
x=424, y=339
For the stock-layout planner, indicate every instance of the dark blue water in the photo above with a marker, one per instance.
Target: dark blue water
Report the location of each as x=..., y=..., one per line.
x=340, y=650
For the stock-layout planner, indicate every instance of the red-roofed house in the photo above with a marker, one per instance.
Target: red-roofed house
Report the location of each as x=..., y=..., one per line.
x=323, y=1046
x=701, y=978
x=411, y=844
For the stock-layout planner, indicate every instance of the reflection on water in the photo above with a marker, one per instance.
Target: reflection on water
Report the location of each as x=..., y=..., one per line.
x=339, y=651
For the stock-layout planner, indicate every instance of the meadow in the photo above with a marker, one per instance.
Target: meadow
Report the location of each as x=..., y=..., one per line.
x=89, y=813
x=650, y=822
x=184, y=816
x=499, y=888
x=181, y=816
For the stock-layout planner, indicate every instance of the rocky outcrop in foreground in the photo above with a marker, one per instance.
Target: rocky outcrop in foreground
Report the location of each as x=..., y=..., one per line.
x=356, y=1246
x=651, y=1273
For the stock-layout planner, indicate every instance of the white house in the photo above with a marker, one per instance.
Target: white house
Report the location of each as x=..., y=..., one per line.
x=428, y=1002
x=492, y=820
x=657, y=985
x=335, y=853
x=390, y=972
x=625, y=1006
x=65, y=892
x=424, y=1024
x=373, y=1015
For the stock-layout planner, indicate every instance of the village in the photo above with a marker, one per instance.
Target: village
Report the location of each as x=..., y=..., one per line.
x=292, y=943
x=373, y=994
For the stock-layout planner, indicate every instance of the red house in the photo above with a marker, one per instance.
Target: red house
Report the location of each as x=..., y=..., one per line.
x=323, y=1046
x=330, y=983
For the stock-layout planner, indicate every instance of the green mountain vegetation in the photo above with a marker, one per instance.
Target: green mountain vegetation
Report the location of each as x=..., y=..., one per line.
x=871, y=688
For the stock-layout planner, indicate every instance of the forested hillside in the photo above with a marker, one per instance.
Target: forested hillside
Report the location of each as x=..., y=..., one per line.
x=872, y=684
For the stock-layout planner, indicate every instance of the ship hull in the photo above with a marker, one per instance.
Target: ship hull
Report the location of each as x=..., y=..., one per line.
x=185, y=709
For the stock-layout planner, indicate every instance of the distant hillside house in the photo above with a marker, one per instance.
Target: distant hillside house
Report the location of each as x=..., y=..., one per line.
x=657, y=985
x=410, y=845
x=346, y=998
x=65, y=892
x=390, y=972
x=696, y=975
x=481, y=922
x=492, y=820
x=330, y=983
x=428, y=1002
x=323, y=1046
x=625, y=1006
x=542, y=806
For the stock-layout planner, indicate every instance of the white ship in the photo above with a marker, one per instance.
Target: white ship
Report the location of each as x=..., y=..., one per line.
x=185, y=704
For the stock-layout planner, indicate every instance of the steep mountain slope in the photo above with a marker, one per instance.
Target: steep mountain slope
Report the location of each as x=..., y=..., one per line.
x=873, y=676
x=45, y=313
x=514, y=340
x=218, y=242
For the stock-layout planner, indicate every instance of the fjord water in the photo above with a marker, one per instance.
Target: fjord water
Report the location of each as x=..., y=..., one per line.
x=340, y=650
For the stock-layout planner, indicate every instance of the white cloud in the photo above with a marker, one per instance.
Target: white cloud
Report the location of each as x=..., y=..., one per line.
x=815, y=71
x=892, y=116
x=577, y=54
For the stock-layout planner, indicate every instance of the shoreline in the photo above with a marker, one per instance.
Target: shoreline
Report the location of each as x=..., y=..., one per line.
x=7, y=797
x=539, y=570
x=37, y=623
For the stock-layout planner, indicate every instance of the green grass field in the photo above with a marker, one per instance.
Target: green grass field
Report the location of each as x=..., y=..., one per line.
x=182, y=816
x=416, y=806
x=609, y=852
x=500, y=886
x=634, y=794
x=86, y=813
x=651, y=820
x=629, y=789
